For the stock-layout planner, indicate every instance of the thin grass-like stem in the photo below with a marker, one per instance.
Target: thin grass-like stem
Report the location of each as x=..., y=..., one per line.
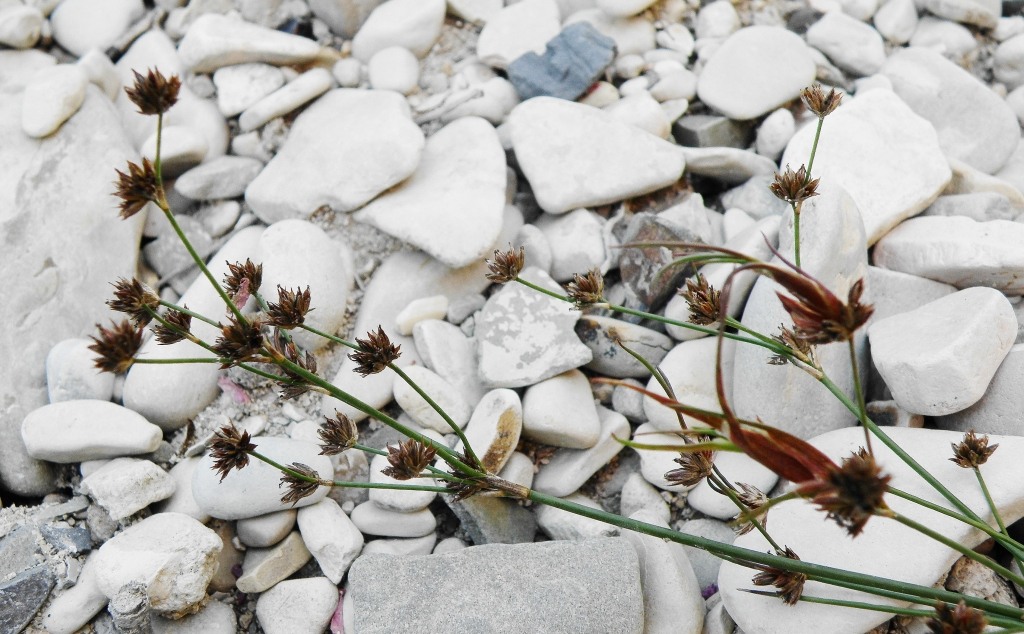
x=862, y=408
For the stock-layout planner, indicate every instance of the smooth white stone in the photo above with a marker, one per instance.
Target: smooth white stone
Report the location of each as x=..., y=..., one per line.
x=421, y=309
x=298, y=606
x=623, y=8
x=412, y=24
x=243, y=85
x=80, y=25
x=396, y=499
x=690, y=370
x=71, y=609
x=181, y=147
x=968, y=180
x=577, y=156
x=949, y=38
x=997, y=411
x=576, y=240
x=917, y=559
x=568, y=469
x=394, y=68
x=655, y=463
x=71, y=374
x=775, y=132
x=342, y=151
x=475, y=11
x=296, y=254
x=631, y=35
x=181, y=501
x=173, y=555
x=265, y=567
x=449, y=545
x=296, y=93
x=441, y=391
x=559, y=524
x=344, y=17
x=223, y=177
x=728, y=164
x=451, y=206
x=214, y=41
x=560, y=411
x=604, y=335
x=348, y=72
x=677, y=85
x=20, y=26
x=756, y=70
x=717, y=20
x=125, y=486
x=871, y=137
x=737, y=467
x=492, y=100
x=519, y=28
x=893, y=292
x=518, y=469
x=402, y=547
x=264, y=531
x=676, y=37
x=254, y=491
x=214, y=618
x=74, y=431
x=896, y=20
x=981, y=13
x=101, y=72
x=642, y=111
x=1009, y=62
x=638, y=494
x=940, y=358
x=494, y=429
x=331, y=537
x=957, y=250
x=448, y=352
x=374, y=520
x=851, y=44
x=52, y=97
x=538, y=251
x=705, y=565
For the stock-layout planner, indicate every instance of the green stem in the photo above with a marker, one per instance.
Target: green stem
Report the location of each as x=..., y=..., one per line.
x=814, y=150
x=437, y=408
x=999, y=518
x=862, y=408
x=796, y=232
x=181, y=360
x=344, y=484
x=320, y=333
x=157, y=159
x=192, y=314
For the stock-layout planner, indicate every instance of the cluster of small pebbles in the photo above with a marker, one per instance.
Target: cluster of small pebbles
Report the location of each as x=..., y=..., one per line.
x=378, y=152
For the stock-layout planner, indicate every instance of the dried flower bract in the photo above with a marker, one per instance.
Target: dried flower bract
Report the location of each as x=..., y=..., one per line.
x=299, y=488
x=135, y=299
x=754, y=499
x=153, y=93
x=137, y=188
x=179, y=326
x=973, y=451
x=794, y=187
x=851, y=493
x=703, y=301
x=694, y=466
x=116, y=346
x=408, y=460
x=585, y=290
x=789, y=584
x=819, y=102
x=957, y=620
x=337, y=434
x=376, y=352
x=243, y=280
x=230, y=450
x=802, y=350
x=293, y=384
x=290, y=309
x=240, y=341
x=505, y=266
x=821, y=317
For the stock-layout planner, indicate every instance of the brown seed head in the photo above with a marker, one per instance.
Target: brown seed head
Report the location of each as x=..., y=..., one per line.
x=408, y=460
x=957, y=620
x=973, y=451
x=754, y=499
x=299, y=488
x=240, y=341
x=137, y=188
x=505, y=266
x=585, y=290
x=694, y=466
x=243, y=279
x=819, y=102
x=851, y=493
x=821, y=317
x=337, y=434
x=135, y=299
x=116, y=346
x=467, y=488
x=794, y=187
x=800, y=347
x=230, y=450
x=790, y=584
x=293, y=384
x=703, y=300
x=290, y=309
x=153, y=93
x=180, y=326
x=376, y=352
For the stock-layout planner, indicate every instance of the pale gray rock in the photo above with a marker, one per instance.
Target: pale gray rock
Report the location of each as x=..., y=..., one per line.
x=253, y=491
x=394, y=68
x=20, y=26
x=264, y=531
x=371, y=519
x=717, y=20
x=654, y=463
x=728, y=164
x=852, y=45
x=420, y=592
x=975, y=579
x=401, y=546
x=524, y=337
x=491, y=520
x=629, y=402
x=181, y=501
x=448, y=352
x=568, y=469
x=705, y=565
x=578, y=156
x=517, y=29
x=869, y=138
x=213, y=618
x=223, y=177
x=560, y=411
x=494, y=429
x=642, y=111
x=737, y=467
x=101, y=72
x=896, y=20
x=518, y=469
x=603, y=334
x=997, y=410
x=754, y=198
x=71, y=374
x=344, y=17
x=981, y=206
x=968, y=180
x=396, y=499
x=893, y=292
x=954, y=102
x=214, y=41
x=80, y=25
x=689, y=369
x=576, y=241
x=981, y=13
x=242, y=85
x=755, y=70
x=74, y=607
x=957, y=250
x=172, y=555
x=75, y=431
x=775, y=132
x=125, y=486
x=451, y=206
x=412, y=24
x=293, y=95
x=623, y=8
x=52, y=97
x=331, y=537
x=563, y=525
x=638, y=494
x=342, y=151
x=440, y=391
x=298, y=606
x=265, y=567
x=1009, y=62
x=939, y=359
x=631, y=35
x=535, y=244
x=949, y=38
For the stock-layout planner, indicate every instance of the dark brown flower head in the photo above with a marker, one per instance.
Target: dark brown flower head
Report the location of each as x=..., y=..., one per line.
x=293, y=384
x=243, y=280
x=754, y=499
x=803, y=350
x=408, y=460
x=794, y=187
x=821, y=317
x=375, y=353
x=790, y=584
x=505, y=266
x=240, y=341
x=230, y=450
x=178, y=328
x=137, y=188
x=116, y=346
x=290, y=309
x=585, y=290
x=467, y=488
x=153, y=93
x=135, y=299
x=694, y=466
x=957, y=620
x=973, y=451
x=819, y=102
x=337, y=434
x=851, y=493
x=299, y=488
x=703, y=300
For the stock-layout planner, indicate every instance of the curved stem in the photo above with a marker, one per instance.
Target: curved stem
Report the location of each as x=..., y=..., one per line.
x=323, y=334
x=862, y=408
x=192, y=314
x=437, y=408
x=999, y=518
x=796, y=232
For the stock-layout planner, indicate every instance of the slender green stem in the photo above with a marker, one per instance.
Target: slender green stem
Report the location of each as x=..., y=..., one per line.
x=157, y=158
x=999, y=518
x=344, y=484
x=192, y=314
x=796, y=231
x=437, y=408
x=347, y=344
x=814, y=150
x=862, y=408
x=181, y=360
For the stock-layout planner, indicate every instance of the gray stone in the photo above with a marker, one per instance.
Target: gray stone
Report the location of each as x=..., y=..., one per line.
x=975, y=579
x=980, y=206
x=264, y=567
x=731, y=165
x=170, y=259
x=560, y=411
x=893, y=292
x=851, y=44
x=628, y=402
x=890, y=414
x=603, y=334
x=223, y=177
x=298, y=606
x=68, y=539
x=214, y=618
x=705, y=130
x=75, y=431
x=631, y=35
x=344, y=17
x=213, y=41
x=494, y=520
x=263, y=531
x=754, y=197
x=125, y=486
x=331, y=537
x=648, y=279
x=412, y=594
x=982, y=13
x=19, y=550
x=568, y=469
x=22, y=596
x=998, y=411
x=638, y=495
x=705, y=565
x=571, y=63
x=451, y=354
x=72, y=375
x=576, y=241
x=242, y=85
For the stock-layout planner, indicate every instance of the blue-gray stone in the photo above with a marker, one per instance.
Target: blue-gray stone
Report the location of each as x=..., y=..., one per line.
x=573, y=61
x=22, y=596
x=492, y=520
x=19, y=551
x=706, y=130
x=69, y=539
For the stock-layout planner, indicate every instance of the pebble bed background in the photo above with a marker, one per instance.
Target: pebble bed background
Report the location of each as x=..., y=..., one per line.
x=378, y=152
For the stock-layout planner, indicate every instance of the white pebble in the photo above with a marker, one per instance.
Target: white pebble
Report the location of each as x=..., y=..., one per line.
x=433, y=307
x=348, y=72
x=52, y=96
x=331, y=537
x=373, y=520
x=441, y=391
x=73, y=431
x=303, y=89
x=298, y=606
x=264, y=531
x=71, y=374
x=560, y=411
x=20, y=26
x=393, y=68
x=125, y=486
